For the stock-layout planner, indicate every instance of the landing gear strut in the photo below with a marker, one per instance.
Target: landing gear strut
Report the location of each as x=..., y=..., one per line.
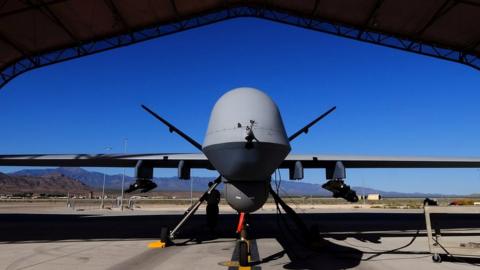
x=192, y=209
x=242, y=242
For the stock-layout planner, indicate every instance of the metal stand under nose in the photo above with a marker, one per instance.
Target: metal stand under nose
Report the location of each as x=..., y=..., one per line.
x=192, y=209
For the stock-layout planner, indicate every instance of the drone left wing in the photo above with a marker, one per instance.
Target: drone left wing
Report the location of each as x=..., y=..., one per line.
x=160, y=160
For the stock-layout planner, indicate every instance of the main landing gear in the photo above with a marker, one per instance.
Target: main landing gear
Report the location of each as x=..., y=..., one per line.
x=167, y=236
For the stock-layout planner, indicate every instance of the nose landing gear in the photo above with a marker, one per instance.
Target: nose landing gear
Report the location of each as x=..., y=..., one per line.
x=242, y=243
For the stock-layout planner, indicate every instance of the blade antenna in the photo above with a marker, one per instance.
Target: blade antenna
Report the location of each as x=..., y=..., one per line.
x=305, y=128
x=172, y=128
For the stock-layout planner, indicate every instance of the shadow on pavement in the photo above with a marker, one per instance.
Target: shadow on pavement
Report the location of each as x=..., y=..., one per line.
x=366, y=227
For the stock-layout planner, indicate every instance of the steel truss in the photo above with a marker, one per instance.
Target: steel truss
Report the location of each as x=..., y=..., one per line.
x=370, y=36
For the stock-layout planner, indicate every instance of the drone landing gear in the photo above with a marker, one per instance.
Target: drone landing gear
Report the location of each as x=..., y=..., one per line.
x=243, y=246
x=166, y=237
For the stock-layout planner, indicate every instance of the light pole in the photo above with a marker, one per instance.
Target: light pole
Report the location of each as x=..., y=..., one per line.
x=103, y=186
x=363, y=188
x=191, y=191
x=125, y=141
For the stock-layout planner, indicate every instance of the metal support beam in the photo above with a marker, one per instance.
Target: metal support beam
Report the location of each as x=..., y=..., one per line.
x=43, y=7
x=444, y=9
x=266, y=13
x=174, y=7
x=29, y=8
x=118, y=16
x=371, y=17
x=18, y=48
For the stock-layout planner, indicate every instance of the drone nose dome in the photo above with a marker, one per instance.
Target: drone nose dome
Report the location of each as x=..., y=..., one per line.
x=246, y=139
x=240, y=108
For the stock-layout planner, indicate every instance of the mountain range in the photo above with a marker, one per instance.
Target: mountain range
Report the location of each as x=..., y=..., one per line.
x=94, y=180
x=49, y=183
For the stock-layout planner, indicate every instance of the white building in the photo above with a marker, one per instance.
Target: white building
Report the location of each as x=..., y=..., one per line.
x=374, y=197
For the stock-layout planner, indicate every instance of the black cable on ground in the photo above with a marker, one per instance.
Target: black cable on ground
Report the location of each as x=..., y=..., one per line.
x=394, y=250
x=281, y=216
x=279, y=211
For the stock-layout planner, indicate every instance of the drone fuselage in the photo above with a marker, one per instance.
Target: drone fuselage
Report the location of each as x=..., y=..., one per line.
x=246, y=142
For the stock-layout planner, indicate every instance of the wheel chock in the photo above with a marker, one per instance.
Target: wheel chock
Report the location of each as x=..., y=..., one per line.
x=157, y=244
x=163, y=242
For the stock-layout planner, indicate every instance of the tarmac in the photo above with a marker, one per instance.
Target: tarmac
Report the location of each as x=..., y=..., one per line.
x=61, y=238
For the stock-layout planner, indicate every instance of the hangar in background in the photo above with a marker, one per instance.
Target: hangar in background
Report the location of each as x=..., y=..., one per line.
x=36, y=33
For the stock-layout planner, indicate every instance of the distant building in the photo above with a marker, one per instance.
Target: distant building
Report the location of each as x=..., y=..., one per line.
x=374, y=197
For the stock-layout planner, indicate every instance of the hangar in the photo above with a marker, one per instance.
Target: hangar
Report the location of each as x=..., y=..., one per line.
x=36, y=33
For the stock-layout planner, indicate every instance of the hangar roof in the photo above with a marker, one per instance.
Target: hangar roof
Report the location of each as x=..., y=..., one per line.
x=35, y=33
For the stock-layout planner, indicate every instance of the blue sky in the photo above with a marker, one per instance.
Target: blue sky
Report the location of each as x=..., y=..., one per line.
x=389, y=102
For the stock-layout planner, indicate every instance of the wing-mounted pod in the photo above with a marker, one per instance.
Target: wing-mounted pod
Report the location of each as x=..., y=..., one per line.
x=296, y=171
x=143, y=177
x=183, y=170
x=335, y=175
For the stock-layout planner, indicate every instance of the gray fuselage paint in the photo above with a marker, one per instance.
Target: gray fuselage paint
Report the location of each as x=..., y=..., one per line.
x=246, y=165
